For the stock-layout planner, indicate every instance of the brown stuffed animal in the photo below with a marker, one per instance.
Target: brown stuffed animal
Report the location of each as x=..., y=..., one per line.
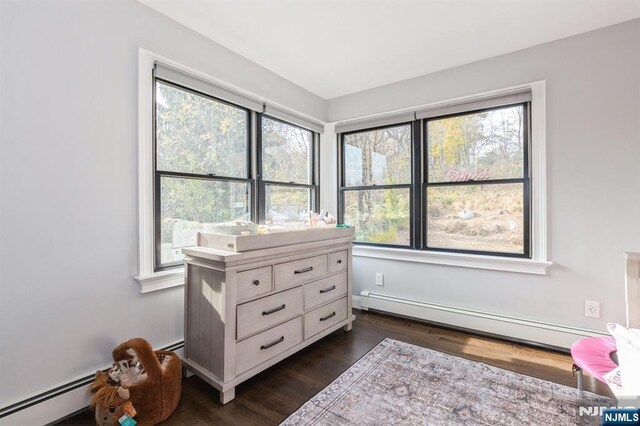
x=151, y=400
x=108, y=403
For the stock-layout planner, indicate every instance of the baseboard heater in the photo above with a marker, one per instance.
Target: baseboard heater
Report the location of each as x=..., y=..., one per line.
x=554, y=335
x=11, y=414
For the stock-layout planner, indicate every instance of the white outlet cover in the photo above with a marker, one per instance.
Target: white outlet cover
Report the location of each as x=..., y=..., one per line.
x=591, y=309
x=380, y=279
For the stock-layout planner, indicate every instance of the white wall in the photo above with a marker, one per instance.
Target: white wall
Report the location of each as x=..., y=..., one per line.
x=593, y=146
x=68, y=181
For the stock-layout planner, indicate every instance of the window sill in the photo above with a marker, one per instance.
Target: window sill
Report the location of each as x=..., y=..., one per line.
x=161, y=280
x=506, y=264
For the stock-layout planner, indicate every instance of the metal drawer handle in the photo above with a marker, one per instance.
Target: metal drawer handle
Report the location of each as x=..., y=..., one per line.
x=328, y=289
x=339, y=260
x=332, y=314
x=280, y=340
x=256, y=282
x=302, y=271
x=269, y=312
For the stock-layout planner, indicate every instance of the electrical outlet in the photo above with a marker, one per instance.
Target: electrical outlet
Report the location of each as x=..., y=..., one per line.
x=591, y=309
x=380, y=279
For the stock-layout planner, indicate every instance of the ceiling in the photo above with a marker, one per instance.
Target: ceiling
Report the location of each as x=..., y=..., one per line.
x=336, y=47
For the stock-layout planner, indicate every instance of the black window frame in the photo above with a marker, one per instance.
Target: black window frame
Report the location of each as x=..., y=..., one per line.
x=524, y=180
x=262, y=184
x=158, y=174
x=420, y=183
x=413, y=203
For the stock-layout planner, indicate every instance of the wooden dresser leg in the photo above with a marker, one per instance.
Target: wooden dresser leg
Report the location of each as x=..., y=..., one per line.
x=348, y=327
x=227, y=396
x=186, y=373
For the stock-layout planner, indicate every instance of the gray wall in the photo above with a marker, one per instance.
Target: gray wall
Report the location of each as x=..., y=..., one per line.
x=68, y=181
x=593, y=143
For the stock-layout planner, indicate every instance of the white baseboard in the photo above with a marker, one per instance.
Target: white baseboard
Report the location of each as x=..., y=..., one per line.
x=517, y=328
x=50, y=410
x=355, y=302
x=56, y=402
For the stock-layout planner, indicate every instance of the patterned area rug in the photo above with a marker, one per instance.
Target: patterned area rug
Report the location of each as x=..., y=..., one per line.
x=398, y=383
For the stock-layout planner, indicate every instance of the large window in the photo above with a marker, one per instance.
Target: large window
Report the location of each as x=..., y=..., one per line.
x=202, y=173
x=287, y=172
x=203, y=168
x=476, y=182
x=446, y=182
x=376, y=184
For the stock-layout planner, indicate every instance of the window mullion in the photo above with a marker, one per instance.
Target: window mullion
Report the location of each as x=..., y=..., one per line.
x=416, y=190
x=260, y=196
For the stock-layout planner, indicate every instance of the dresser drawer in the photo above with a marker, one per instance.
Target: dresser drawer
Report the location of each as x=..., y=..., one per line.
x=321, y=291
x=291, y=274
x=269, y=343
x=338, y=261
x=253, y=283
x=324, y=317
x=261, y=314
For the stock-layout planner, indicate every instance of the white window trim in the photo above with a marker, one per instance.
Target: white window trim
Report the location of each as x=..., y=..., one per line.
x=147, y=279
x=494, y=263
x=539, y=263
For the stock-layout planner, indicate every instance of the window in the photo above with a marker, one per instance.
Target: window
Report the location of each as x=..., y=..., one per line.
x=476, y=182
x=202, y=174
x=375, y=194
x=203, y=170
x=199, y=162
x=287, y=176
x=452, y=180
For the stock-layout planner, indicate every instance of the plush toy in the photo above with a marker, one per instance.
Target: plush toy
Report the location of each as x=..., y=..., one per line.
x=127, y=372
x=143, y=386
x=110, y=402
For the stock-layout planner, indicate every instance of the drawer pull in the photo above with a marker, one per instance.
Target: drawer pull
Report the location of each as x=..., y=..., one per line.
x=332, y=314
x=280, y=340
x=339, y=260
x=271, y=311
x=256, y=282
x=302, y=271
x=328, y=289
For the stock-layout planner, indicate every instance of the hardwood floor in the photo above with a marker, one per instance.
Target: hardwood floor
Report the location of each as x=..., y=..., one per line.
x=274, y=394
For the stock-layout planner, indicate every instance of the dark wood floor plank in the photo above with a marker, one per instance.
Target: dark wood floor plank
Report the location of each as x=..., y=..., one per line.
x=274, y=394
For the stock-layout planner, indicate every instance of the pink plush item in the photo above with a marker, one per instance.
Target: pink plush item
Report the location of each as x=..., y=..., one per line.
x=593, y=355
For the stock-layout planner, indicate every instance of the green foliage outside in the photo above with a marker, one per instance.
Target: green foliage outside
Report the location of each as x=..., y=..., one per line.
x=286, y=157
x=199, y=135
x=481, y=146
x=379, y=157
x=489, y=141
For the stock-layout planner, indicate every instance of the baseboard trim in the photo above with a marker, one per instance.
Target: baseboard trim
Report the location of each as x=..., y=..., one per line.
x=57, y=402
x=549, y=334
x=356, y=302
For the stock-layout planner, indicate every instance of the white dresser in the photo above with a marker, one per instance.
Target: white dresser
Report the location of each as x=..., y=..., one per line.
x=245, y=311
